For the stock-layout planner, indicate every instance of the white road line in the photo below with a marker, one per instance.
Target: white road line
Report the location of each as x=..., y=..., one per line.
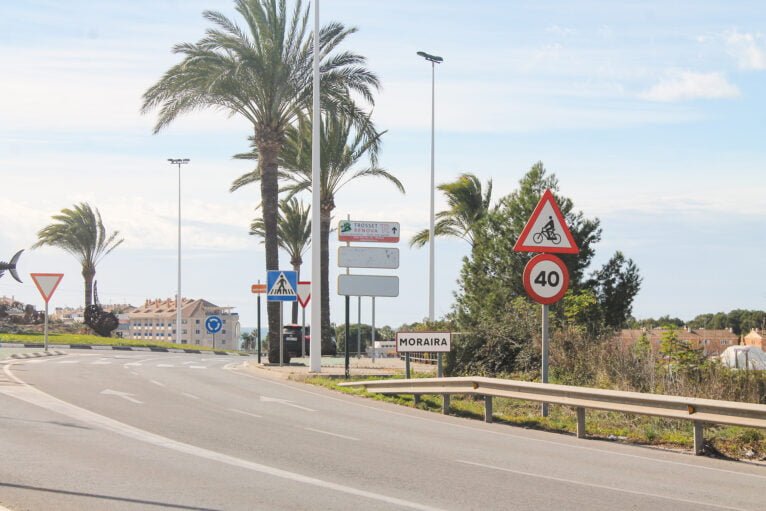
x=68, y=362
x=101, y=363
x=132, y=364
x=187, y=363
x=245, y=413
x=165, y=365
x=192, y=396
x=160, y=384
x=479, y=427
x=197, y=367
x=600, y=486
x=332, y=434
x=29, y=394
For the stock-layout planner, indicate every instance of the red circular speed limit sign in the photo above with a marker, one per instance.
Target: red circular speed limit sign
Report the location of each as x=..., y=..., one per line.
x=546, y=279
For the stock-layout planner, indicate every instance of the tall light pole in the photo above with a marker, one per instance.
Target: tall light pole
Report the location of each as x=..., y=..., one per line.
x=433, y=59
x=179, y=162
x=315, y=355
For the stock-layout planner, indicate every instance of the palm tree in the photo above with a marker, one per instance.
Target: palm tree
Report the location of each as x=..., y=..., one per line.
x=294, y=234
x=81, y=232
x=343, y=146
x=262, y=72
x=468, y=206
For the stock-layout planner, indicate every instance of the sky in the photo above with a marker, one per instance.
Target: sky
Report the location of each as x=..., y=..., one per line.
x=649, y=113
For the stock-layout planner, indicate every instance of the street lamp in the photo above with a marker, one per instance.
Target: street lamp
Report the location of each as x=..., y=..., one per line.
x=179, y=162
x=433, y=59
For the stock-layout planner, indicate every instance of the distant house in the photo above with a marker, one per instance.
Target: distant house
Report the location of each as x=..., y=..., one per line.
x=711, y=342
x=156, y=321
x=756, y=337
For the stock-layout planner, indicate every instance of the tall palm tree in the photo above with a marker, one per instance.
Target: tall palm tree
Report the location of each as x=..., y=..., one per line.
x=468, y=205
x=262, y=71
x=344, y=145
x=81, y=232
x=294, y=234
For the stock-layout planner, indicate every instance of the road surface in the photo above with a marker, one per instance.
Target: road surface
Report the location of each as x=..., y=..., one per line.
x=142, y=431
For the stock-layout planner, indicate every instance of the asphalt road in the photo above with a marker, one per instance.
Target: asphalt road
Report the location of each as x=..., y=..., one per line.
x=103, y=431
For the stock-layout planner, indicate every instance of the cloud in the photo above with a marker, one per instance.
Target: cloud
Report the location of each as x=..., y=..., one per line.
x=688, y=85
x=745, y=48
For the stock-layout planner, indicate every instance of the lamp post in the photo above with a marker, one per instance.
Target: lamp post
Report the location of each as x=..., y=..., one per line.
x=433, y=59
x=179, y=162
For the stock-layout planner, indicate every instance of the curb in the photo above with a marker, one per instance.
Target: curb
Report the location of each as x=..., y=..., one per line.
x=37, y=355
x=119, y=348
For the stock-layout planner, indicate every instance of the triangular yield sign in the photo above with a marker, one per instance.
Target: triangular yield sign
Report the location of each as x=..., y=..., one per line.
x=282, y=287
x=47, y=283
x=546, y=230
x=304, y=293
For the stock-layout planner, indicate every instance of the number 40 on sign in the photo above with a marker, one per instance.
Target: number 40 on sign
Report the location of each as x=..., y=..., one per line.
x=546, y=279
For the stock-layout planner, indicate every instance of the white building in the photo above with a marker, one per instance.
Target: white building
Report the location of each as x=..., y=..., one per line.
x=156, y=321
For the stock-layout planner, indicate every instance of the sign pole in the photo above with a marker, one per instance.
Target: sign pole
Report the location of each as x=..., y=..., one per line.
x=348, y=372
x=45, y=328
x=303, y=332
x=545, y=342
x=281, y=338
x=372, y=333
x=259, y=326
x=359, y=326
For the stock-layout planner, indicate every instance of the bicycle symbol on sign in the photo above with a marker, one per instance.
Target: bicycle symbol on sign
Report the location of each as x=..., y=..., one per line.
x=548, y=232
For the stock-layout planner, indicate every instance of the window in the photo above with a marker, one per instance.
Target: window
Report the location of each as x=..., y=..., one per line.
x=197, y=332
x=196, y=321
x=197, y=341
x=223, y=331
x=184, y=331
x=183, y=341
x=724, y=343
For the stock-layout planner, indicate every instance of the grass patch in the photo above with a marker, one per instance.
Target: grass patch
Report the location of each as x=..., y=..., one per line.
x=729, y=441
x=95, y=340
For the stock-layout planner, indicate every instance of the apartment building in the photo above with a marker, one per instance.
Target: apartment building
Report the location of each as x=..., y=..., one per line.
x=156, y=321
x=756, y=337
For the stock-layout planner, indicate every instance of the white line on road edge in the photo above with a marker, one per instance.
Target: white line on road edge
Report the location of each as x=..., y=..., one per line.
x=601, y=486
x=331, y=434
x=245, y=413
x=480, y=427
x=158, y=383
x=192, y=396
x=39, y=398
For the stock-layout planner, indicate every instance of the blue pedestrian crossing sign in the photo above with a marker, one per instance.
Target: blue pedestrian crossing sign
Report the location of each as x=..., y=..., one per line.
x=213, y=324
x=281, y=286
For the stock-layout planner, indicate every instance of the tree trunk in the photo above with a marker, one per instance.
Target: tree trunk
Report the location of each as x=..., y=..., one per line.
x=324, y=249
x=88, y=274
x=269, y=145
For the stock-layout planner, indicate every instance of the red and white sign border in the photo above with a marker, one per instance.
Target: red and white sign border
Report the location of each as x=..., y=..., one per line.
x=308, y=297
x=53, y=289
x=521, y=247
x=528, y=279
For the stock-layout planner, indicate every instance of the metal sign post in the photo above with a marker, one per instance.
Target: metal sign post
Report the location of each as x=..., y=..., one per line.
x=546, y=278
x=281, y=338
x=259, y=328
x=346, y=343
x=372, y=333
x=46, y=283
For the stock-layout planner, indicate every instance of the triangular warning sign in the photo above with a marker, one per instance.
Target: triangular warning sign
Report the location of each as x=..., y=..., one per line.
x=282, y=287
x=47, y=283
x=546, y=230
x=304, y=293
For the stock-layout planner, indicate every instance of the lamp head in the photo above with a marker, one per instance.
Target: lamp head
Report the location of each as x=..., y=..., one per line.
x=431, y=58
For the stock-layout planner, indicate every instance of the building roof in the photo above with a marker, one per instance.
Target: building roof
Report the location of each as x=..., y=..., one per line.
x=167, y=308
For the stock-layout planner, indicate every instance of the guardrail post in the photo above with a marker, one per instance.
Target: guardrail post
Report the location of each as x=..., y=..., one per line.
x=580, y=422
x=699, y=438
x=487, y=408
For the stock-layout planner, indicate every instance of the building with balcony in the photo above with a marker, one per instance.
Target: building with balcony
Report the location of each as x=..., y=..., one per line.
x=155, y=321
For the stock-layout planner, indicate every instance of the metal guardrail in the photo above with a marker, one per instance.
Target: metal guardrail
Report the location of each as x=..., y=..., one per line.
x=700, y=411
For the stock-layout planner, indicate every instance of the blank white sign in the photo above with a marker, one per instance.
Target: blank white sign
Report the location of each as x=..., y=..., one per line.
x=368, y=285
x=368, y=257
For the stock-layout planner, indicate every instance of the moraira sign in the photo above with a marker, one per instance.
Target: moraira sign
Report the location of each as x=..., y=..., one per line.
x=420, y=342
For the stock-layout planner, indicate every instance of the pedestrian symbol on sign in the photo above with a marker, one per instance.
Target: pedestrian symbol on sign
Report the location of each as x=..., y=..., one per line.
x=281, y=286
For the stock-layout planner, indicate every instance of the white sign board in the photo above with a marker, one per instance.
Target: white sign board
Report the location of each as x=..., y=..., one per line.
x=368, y=285
x=359, y=230
x=368, y=257
x=422, y=342
x=47, y=283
